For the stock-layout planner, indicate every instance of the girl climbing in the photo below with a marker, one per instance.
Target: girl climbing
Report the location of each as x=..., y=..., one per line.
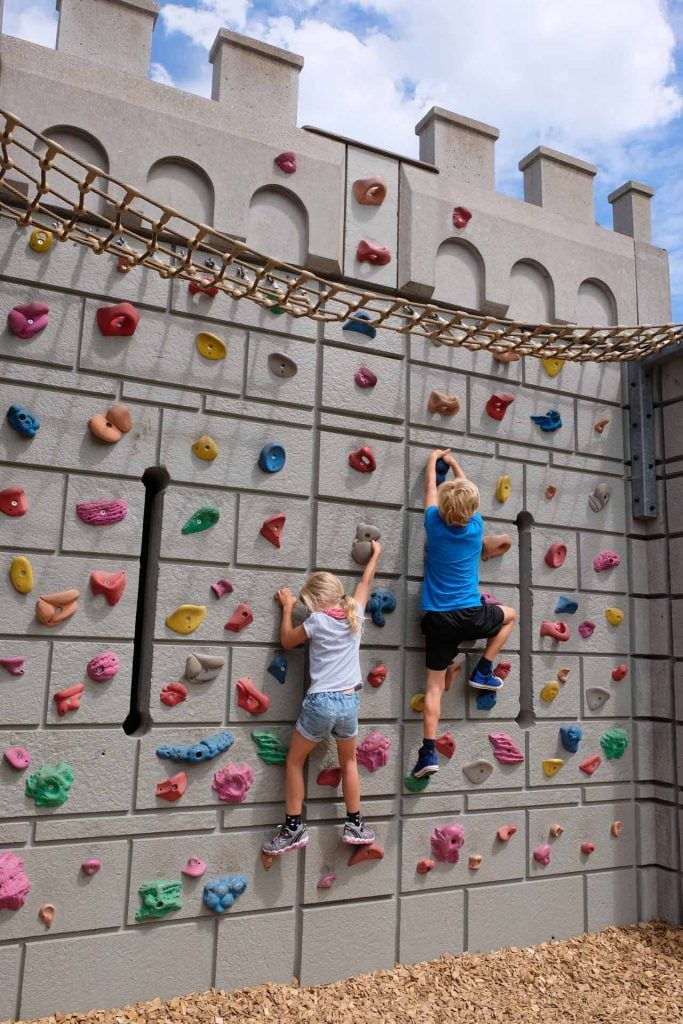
x=331, y=704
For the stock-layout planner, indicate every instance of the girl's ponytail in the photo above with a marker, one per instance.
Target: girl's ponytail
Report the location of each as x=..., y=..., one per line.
x=351, y=609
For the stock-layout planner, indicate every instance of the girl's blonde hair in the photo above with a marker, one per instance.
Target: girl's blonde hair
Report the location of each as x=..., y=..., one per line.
x=324, y=589
x=458, y=501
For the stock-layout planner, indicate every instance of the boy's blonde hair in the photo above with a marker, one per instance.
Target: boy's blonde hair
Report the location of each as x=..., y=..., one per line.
x=324, y=589
x=458, y=501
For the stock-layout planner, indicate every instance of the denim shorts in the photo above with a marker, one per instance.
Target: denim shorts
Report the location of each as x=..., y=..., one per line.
x=335, y=712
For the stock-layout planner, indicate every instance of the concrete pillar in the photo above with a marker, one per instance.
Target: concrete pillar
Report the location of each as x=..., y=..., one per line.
x=258, y=81
x=559, y=183
x=458, y=146
x=117, y=33
x=631, y=210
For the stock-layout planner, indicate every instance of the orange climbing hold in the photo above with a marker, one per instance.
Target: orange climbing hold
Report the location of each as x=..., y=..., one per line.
x=241, y=617
x=69, y=699
x=371, y=851
x=51, y=609
x=110, y=584
x=172, y=789
x=249, y=698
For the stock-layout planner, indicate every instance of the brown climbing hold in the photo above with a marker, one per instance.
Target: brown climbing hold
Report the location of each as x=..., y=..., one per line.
x=474, y=861
x=555, y=555
x=267, y=860
x=241, y=617
x=272, y=528
x=110, y=426
x=110, y=584
x=370, y=191
x=498, y=403
x=362, y=460
x=249, y=698
x=600, y=426
x=123, y=265
x=69, y=699
x=563, y=675
x=172, y=789
x=368, y=252
x=117, y=321
x=495, y=546
x=13, y=502
x=550, y=492
x=506, y=357
x=445, y=405
x=329, y=777
x=377, y=675
x=617, y=828
x=556, y=830
x=371, y=851
x=506, y=832
x=47, y=914
x=51, y=609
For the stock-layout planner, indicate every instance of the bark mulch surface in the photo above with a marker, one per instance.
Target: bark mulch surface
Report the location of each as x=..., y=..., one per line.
x=621, y=975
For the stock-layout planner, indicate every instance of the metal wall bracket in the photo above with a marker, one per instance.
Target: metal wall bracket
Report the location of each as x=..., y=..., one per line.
x=641, y=424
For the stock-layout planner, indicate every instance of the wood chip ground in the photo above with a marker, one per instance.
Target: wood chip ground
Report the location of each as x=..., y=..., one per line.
x=622, y=975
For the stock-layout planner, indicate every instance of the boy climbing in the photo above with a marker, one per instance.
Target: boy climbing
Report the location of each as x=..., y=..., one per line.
x=452, y=606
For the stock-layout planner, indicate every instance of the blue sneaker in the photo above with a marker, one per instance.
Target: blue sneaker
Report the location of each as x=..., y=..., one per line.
x=427, y=763
x=481, y=682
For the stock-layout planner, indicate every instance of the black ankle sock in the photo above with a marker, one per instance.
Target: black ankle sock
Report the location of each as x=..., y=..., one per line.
x=293, y=821
x=485, y=666
x=354, y=818
x=428, y=744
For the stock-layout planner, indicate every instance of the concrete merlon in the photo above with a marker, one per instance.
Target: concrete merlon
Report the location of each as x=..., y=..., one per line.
x=117, y=33
x=458, y=146
x=559, y=183
x=256, y=79
x=631, y=213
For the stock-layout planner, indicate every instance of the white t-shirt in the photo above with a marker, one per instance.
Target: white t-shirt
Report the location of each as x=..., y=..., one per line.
x=334, y=661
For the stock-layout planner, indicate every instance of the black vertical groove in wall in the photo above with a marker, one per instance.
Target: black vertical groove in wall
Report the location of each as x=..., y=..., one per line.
x=155, y=480
x=527, y=716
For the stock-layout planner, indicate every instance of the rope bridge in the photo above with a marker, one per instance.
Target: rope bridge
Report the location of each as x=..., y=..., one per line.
x=46, y=186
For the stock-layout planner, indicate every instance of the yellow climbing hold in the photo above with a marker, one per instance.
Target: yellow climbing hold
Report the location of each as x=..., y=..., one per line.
x=417, y=702
x=552, y=366
x=40, y=240
x=503, y=488
x=186, y=618
x=614, y=616
x=552, y=765
x=21, y=575
x=550, y=691
x=205, y=448
x=210, y=346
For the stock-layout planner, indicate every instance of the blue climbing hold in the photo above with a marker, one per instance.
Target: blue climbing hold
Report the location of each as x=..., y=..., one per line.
x=549, y=421
x=220, y=894
x=442, y=468
x=486, y=700
x=571, y=736
x=566, y=605
x=272, y=457
x=359, y=324
x=205, y=750
x=278, y=668
x=380, y=601
x=23, y=421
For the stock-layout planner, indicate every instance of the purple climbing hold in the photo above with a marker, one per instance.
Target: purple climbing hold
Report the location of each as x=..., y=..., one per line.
x=102, y=513
x=586, y=629
x=365, y=378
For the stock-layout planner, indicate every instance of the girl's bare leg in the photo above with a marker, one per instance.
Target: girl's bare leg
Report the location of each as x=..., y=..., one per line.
x=295, y=789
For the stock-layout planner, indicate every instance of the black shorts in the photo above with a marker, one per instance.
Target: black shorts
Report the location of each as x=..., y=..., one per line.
x=445, y=631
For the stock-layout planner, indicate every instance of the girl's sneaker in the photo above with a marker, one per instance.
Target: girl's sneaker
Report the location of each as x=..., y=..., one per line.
x=284, y=840
x=481, y=682
x=358, y=835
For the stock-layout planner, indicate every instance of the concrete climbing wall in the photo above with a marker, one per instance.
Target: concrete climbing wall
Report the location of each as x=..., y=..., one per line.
x=543, y=258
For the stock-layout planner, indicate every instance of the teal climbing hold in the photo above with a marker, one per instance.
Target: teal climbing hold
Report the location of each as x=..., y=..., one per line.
x=203, y=519
x=50, y=785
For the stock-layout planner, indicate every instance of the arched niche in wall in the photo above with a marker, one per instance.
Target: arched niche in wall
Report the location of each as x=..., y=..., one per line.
x=278, y=224
x=89, y=149
x=532, y=296
x=459, y=275
x=595, y=305
x=183, y=185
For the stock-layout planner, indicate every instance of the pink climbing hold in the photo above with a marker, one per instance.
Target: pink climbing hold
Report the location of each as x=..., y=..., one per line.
x=110, y=584
x=586, y=629
x=173, y=694
x=117, y=321
x=498, y=403
x=503, y=669
x=69, y=699
x=14, y=885
x=373, y=752
x=327, y=881
x=506, y=832
x=590, y=764
x=555, y=555
x=286, y=161
x=102, y=513
x=362, y=460
x=28, y=320
x=445, y=744
x=505, y=750
x=461, y=217
x=13, y=665
x=446, y=843
x=240, y=618
x=103, y=666
x=619, y=673
x=368, y=252
x=377, y=675
x=365, y=378
x=194, y=867
x=329, y=777
x=272, y=529
x=606, y=560
x=222, y=587
x=587, y=848
x=18, y=757
x=563, y=675
x=370, y=851
x=425, y=865
x=232, y=782
x=91, y=867
x=249, y=698
x=543, y=853
x=556, y=630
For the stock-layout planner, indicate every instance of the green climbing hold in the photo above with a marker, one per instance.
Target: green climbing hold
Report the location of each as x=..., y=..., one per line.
x=50, y=785
x=414, y=785
x=614, y=742
x=158, y=899
x=202, y=519
x=277, y=310
x=270, y=747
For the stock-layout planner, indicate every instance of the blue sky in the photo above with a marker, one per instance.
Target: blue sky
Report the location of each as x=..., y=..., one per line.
x=600, y=80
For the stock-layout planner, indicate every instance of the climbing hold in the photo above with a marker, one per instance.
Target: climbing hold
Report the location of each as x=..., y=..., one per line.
x=425, y=865
x=40, y=240
x=498, y=403
x=377, y=675
x=370, y=191
x=47, y=914
x=373, y=752
x=370, y=851
x=270, y=747
x=329, y=777
x=109, y=427
x=445, y=744
x=494, y=546
x=555, y=630
x=103, y=666
x=69, y=699
x=91, y=866
x=587, y=848
x=281, y=365
x=327, y=880
x=123, y=265
x=220, y=894
x=555, y=555
x=549, y=421
x=203, y=286
x=21, y=420
x=50, y=785
x=381, y=601
x=369, y=252
x=158, y=899
x=267, y=860
x=600, y=426
x=461, y=217
x=222, y=587
x=614, y=742
x=505, y=750
x=359, y=324
x=414, y=785
x=203, y=668
x=210, y=346
x=551, y=766
x=28, y=320
x=506, y=832
x=14, y=884
x=586, y=629
x=552, y=366
x=361, y=548
x=51, y=609
x=597, y=697
x=272, y=528
x=362, y=460
x=102, y=513
x=445, y=405
x=417, y=702
x=487, y=598
x=619, y=673
x=614, y=616
x=606, y=560
x=21, y=575
x=506, y=357
x=441, y=471
x=566, y=605
x=13, y=665
x=503, y=669
x=250, y=699
x=503, y=488
x=171, y=789
x=556, y=830
x=550, y=691
x=194, y=867
x=542, y=854
x=110, y=584
x=286, y=161
x=186, y=618
x=617, y=828
x=18, y=757
x=232, y=782
x=550, y=492
x=205, y=448
x=563, y=675
x=365, y=378
x=278, y=668
x=446, y=843
x=485, y=700
x=203, y=750
x=13, y=502
x=117, y=321
x=600, y=497
x=474, y=861
x=477, y=771
x=203, y=519
x=173, y=694
x=240, y=618
x=570, y=737
x=272, y=457
x=590, y=764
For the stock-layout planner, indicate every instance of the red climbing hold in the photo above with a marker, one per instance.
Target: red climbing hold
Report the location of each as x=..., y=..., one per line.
x=587, y=848
x=172, y=694
x=591, y=764
x=371, y=851
x=503, y=669
x=619, y=673
x=368, y=252
x=286, y=161
x=497, y=404
x=445, y=744
x=172, y=789
x=117, y=321
x=555, y=630
x=110, y=584
x=249, y=698
x=69, y=699
x=203, y=287
x=461, y=217
x=13, y=501
x=555, y=555
x=272, y=528
x=363, y=460
x=241, y=617
x=377, y=675
x=329, y=777
x=425, y=865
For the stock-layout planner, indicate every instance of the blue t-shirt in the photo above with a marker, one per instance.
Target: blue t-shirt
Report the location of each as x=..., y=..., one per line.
x=451, y=573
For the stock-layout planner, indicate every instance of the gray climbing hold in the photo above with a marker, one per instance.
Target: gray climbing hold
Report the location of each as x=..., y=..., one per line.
x=477, y=771
x=361, y=549
x=597, y=697
x=600, y=497
x=281, y=365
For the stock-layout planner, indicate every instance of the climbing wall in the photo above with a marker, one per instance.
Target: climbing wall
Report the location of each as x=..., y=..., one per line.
x=130, y=859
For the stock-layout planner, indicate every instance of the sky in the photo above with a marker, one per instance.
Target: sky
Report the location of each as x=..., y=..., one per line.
x=598, y=79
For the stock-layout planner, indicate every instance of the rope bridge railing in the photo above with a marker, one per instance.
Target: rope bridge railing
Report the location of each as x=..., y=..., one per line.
x=47, y=187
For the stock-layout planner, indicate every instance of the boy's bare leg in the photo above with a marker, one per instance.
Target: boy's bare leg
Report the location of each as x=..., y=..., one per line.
x=436, y=684
x=494, y=644
x=451, y=673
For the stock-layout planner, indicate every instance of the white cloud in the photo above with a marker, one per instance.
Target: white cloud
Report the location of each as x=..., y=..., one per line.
x=158, y=73
x=201, y=23
x=36, y=21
